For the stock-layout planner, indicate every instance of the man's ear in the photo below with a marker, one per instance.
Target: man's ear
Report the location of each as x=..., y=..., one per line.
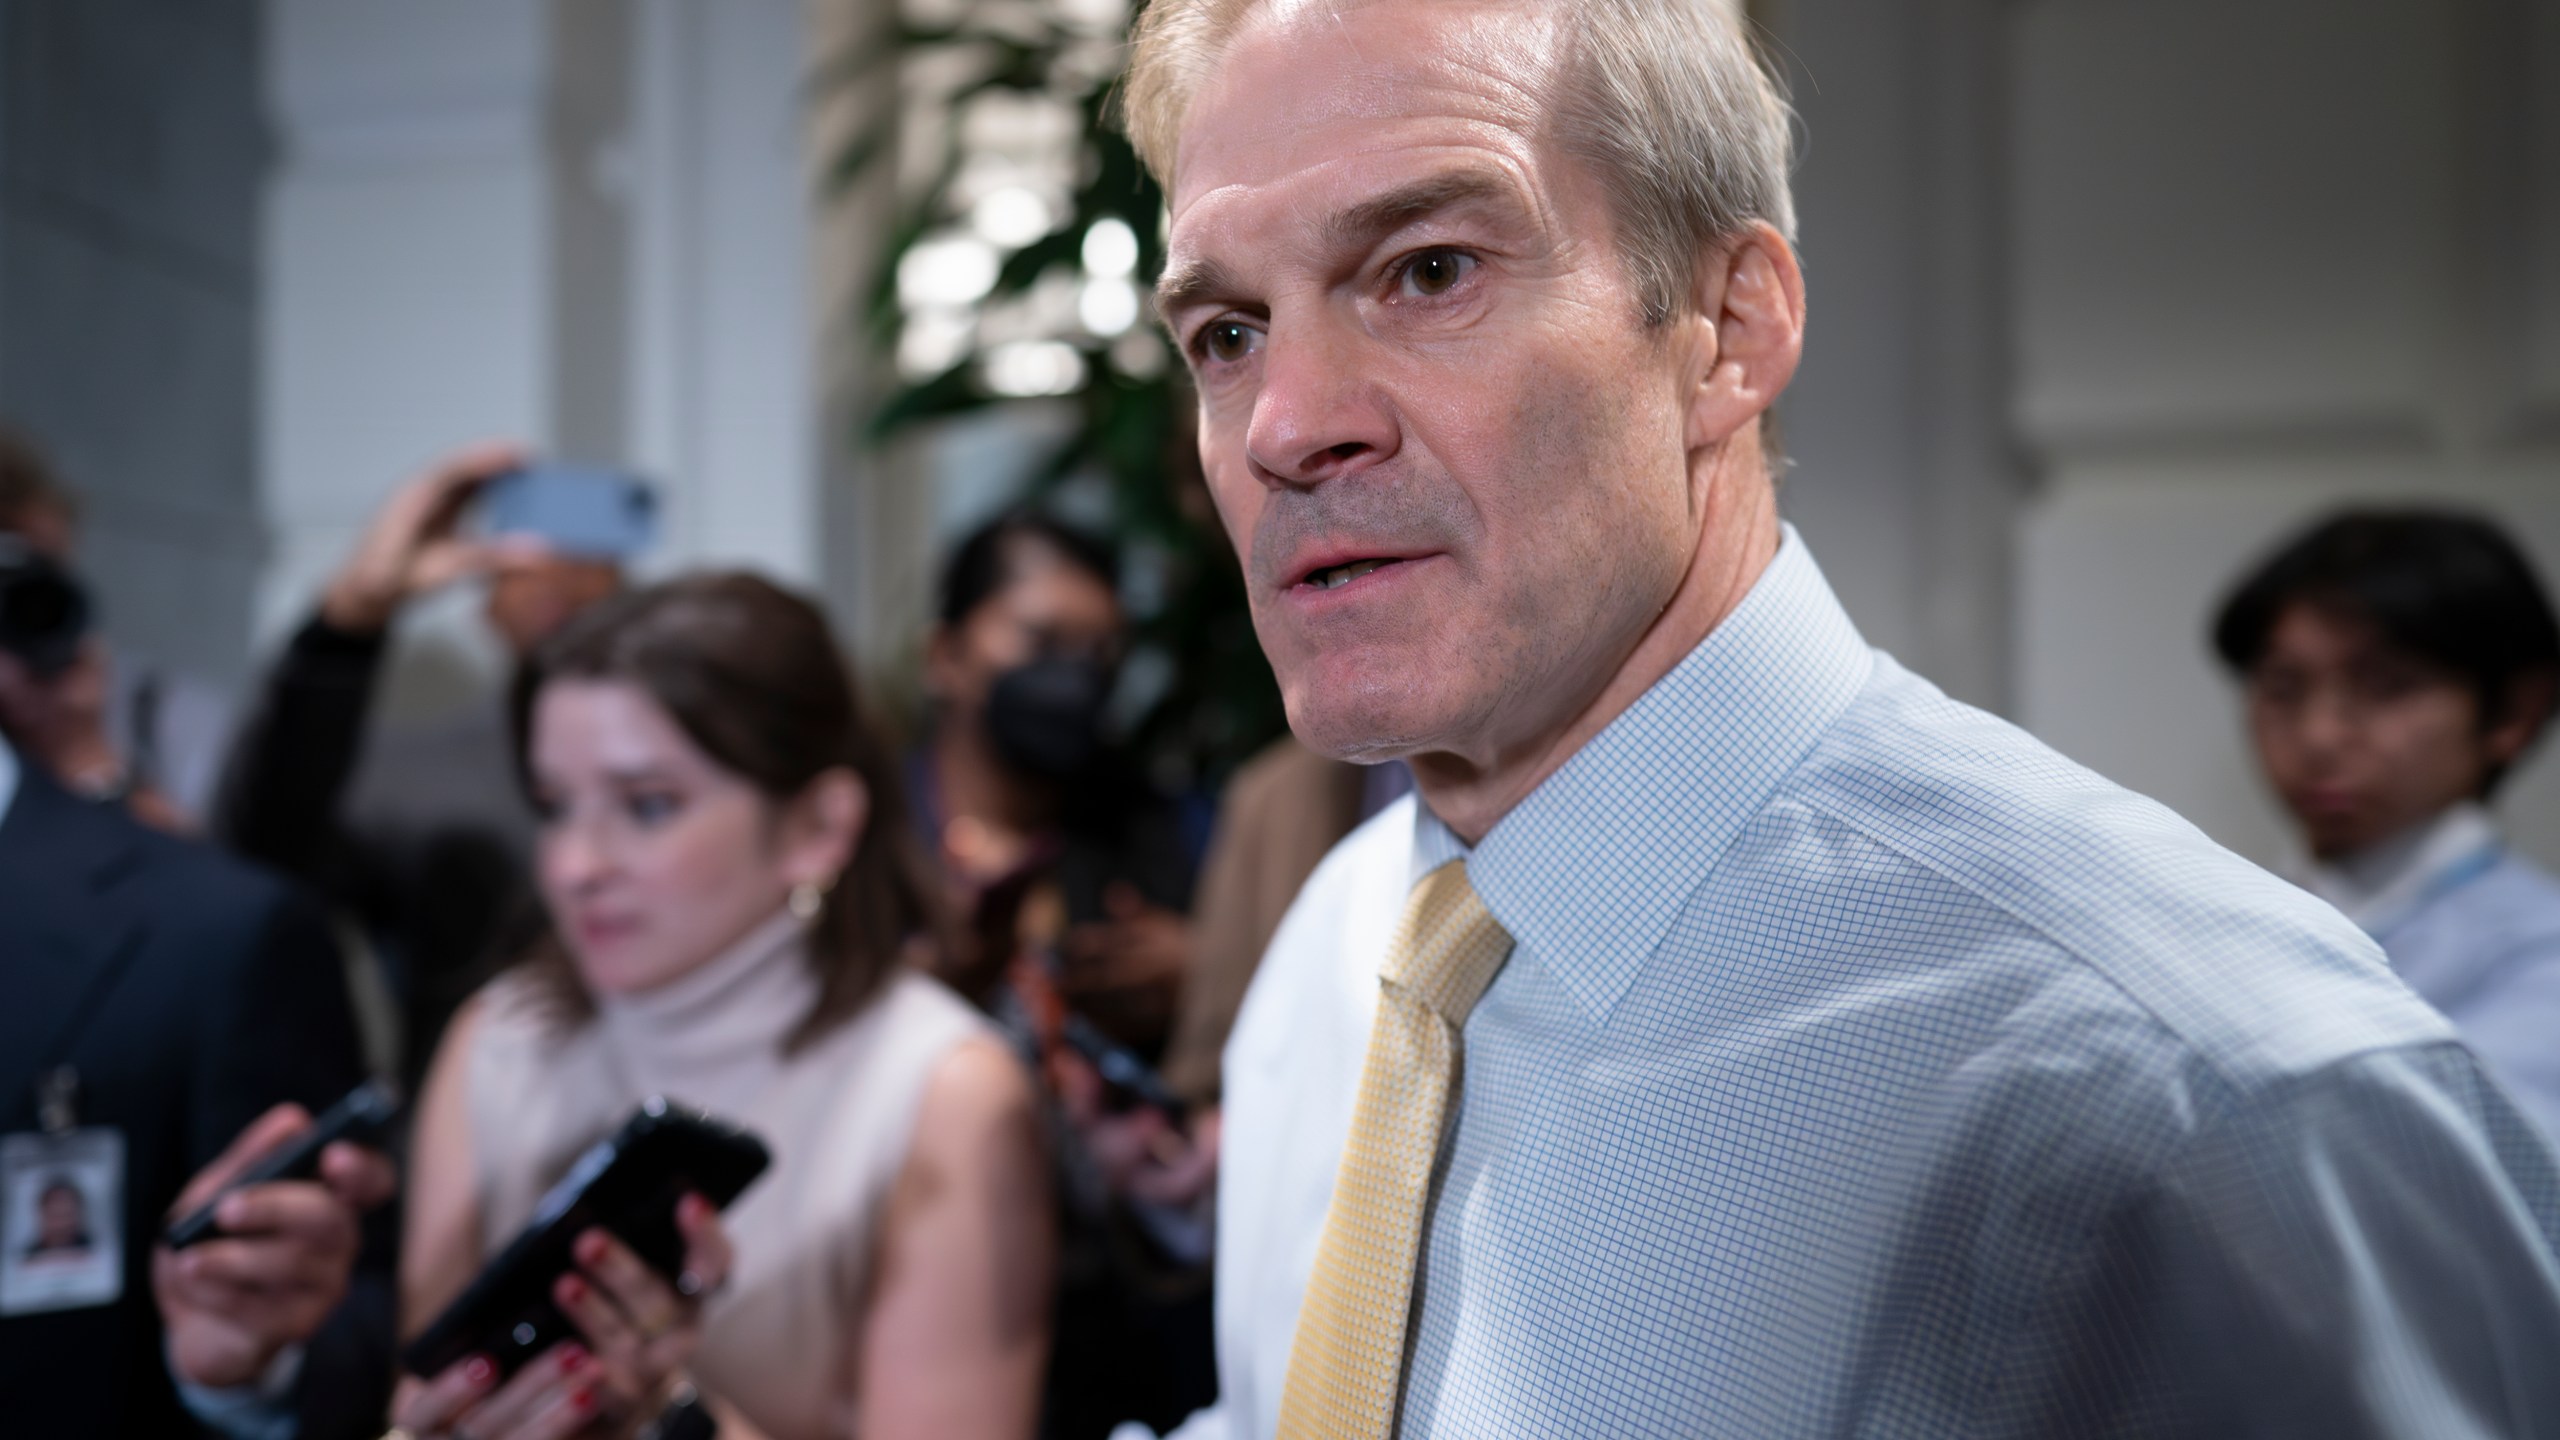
x=1751, y=292
x=2522, y=717
x=823, y=827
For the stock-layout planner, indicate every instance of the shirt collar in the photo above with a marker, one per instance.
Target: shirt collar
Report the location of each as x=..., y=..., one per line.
x=1589, y=870
x=2383, y=886
x=8, y=778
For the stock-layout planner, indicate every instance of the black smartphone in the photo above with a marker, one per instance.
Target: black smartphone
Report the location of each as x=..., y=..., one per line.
x=360, y=1117
x=628, y=1184
x=1130, y=1079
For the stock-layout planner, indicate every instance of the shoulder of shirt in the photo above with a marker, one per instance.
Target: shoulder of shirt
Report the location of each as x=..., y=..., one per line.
x=911, y=998
x=2112, y=891
x=514, y=1011
x=2521, y=900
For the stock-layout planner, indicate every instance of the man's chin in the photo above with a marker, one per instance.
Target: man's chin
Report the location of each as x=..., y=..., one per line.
x=1365, y=724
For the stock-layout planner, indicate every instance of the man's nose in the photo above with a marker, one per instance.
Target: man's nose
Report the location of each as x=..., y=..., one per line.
x=2327, y=722
x=1320, y=413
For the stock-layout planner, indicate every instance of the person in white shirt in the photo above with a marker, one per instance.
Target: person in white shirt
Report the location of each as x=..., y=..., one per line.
x=1738, y=1037
x=2398, y=665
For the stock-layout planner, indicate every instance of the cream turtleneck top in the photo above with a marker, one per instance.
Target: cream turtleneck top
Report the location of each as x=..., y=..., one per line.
x=780, y=1341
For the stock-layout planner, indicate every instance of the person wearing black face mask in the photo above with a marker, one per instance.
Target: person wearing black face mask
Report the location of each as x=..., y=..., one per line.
x=1076, y=876
x=1018, y=785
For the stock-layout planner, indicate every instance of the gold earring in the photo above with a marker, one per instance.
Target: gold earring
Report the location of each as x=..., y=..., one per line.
x=806, y=897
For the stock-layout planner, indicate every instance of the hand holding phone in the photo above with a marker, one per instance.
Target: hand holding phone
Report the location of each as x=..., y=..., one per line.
x=629, y=1187
x=359, y=1118
x=637, y=1333
x=277, y=1261
x=1127, y=1080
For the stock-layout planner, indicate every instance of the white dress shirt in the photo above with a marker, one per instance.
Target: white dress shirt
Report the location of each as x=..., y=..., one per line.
x=1863, y=1067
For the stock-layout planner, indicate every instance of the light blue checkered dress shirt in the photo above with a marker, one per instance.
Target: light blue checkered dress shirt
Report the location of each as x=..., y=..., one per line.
x=1865, y=1068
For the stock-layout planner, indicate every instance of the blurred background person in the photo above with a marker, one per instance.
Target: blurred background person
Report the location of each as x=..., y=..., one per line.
x=1277, y=818
x=172, y=1013
x=738, y=920
x=109, y=726
x=1017, y=779
x=2398, y=664
x=1074, y=877
x=417, y=829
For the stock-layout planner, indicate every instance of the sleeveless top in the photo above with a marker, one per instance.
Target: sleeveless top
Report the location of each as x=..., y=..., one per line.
x=780, y=1340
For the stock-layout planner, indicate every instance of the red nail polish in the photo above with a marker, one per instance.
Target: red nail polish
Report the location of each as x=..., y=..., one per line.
x=478, y=1370
x=572, y=1289
x=591, y=1248
x=572, y=1355
x=584, y=1401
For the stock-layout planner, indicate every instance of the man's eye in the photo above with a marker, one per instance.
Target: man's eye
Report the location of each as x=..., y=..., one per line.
x=2279, y=687
x=1226, y=340
x=1433, y=271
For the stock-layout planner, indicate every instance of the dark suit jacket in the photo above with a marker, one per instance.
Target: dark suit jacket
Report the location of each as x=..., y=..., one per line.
x=190, y=992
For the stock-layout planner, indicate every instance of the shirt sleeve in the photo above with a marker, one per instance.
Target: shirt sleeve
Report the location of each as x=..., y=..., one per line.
x=2365, y=1250
x=260, y=1410
x=290, y=765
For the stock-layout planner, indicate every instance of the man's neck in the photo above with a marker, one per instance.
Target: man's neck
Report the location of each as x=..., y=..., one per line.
x=1736, y=543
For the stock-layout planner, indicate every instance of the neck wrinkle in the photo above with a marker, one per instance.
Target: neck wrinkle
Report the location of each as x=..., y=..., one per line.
x=1720, y=576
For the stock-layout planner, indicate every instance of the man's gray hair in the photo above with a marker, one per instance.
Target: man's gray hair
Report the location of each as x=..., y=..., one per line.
x=1664, y=98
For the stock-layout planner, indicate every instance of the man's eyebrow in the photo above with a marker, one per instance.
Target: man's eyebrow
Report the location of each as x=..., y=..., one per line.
x=1191, y=282
x=1364, y=224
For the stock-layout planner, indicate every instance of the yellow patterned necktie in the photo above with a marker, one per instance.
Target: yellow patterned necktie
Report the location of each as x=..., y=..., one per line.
x=1346, y=1362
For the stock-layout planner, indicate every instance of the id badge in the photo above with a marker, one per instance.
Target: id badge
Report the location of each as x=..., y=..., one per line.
x=61, y=1220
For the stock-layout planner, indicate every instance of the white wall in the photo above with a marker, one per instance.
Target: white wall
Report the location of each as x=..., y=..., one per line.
x=584, y=224
x=2270, y=257
x=1903, y=479
x=2108, y=295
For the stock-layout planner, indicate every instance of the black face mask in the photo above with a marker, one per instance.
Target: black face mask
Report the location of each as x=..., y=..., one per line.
x=1045, y=718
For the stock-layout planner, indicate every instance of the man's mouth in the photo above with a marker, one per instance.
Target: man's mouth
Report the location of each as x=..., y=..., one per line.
x=1334, y=577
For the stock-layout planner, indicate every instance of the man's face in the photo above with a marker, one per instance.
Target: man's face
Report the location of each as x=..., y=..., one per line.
x=63, y=1217
x=1452, y=456
x=2360, y=740
x=532, y=595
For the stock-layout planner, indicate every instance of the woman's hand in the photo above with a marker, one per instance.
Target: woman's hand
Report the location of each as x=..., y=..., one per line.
x=556, y=1396
x=638, y=1332
x=642, y=1329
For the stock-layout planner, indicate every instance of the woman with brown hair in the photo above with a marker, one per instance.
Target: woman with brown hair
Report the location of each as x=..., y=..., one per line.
x=735, y=912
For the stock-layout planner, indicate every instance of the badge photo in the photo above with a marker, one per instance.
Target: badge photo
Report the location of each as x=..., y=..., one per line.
x=61, y=1221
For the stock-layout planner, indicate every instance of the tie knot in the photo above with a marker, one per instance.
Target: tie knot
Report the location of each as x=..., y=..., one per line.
x=1450, y=947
